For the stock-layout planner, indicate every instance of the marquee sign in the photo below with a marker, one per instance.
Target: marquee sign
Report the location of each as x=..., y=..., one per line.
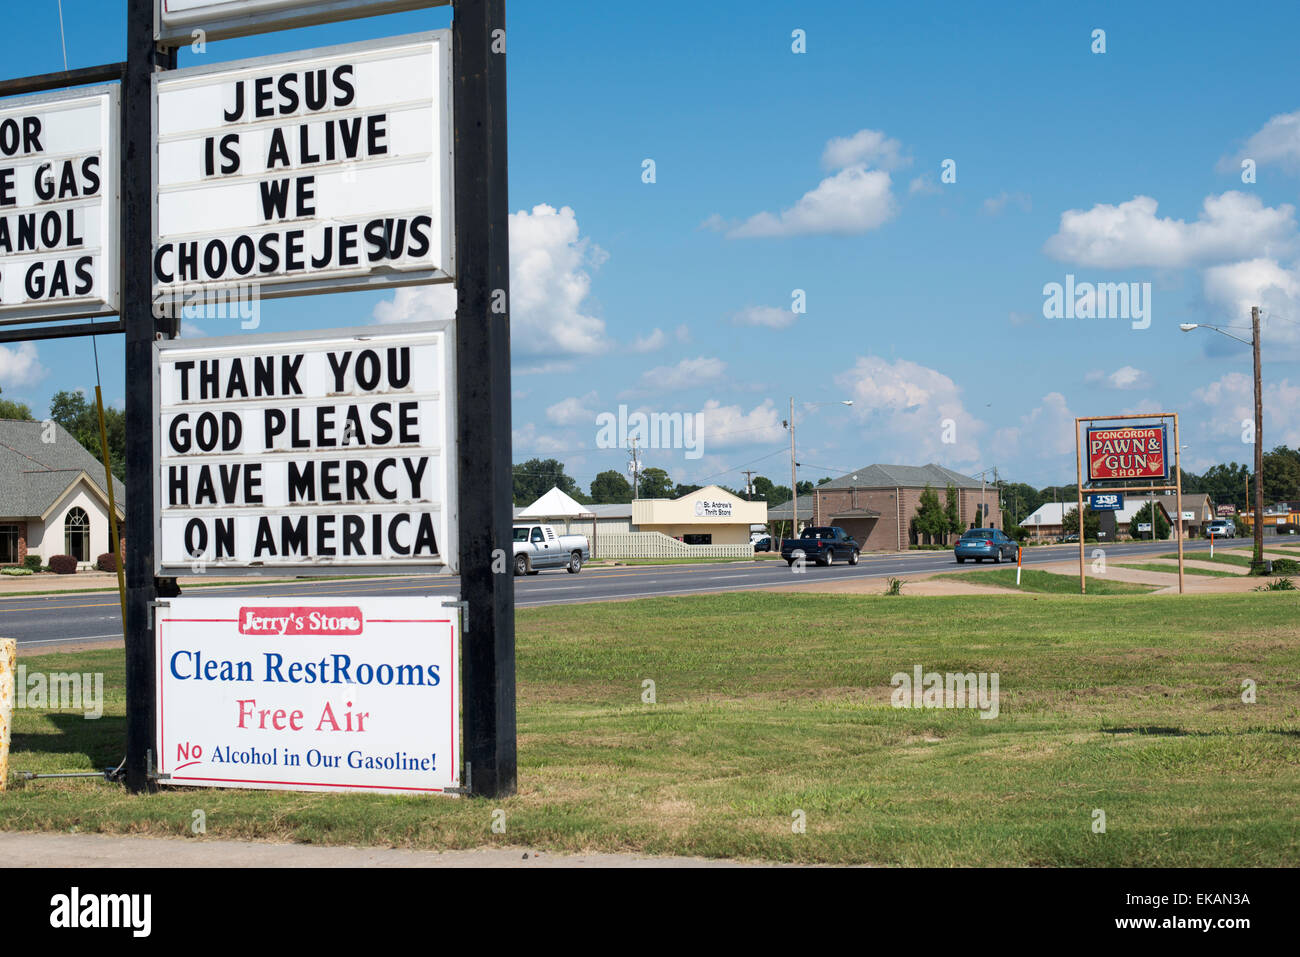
x=1127, y=452
x=320, y=171
x=59, y=205
x=1106, y=501
x=307, y=454
x=348, y=694
x=177, y=20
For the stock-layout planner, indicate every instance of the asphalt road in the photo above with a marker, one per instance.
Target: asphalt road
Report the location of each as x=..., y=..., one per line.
x=58, y=619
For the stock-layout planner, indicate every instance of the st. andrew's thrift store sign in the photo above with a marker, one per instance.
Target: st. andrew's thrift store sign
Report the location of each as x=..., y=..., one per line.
x=59, y=205
x=288, y=693
x=319, y=171
x=333, y=449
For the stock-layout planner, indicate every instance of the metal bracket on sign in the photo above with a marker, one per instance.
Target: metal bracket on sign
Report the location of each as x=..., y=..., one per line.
x=152, y=772
x=464, y=613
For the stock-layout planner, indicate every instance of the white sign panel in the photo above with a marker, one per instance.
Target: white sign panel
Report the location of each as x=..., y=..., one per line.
x=218, y=19
x=307, y=454
x=59, y=205
x=291, y=694
x=312, y=172
x=704, y=508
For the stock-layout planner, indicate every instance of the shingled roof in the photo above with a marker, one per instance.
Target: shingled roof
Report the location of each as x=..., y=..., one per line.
x=902, y=476
x=34, y=475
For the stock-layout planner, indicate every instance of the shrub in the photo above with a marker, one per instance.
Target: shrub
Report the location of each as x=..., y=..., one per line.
x=895, y=586
x=33, y=562
x=15, y=571
x=1286, y=566
x=106, y=562
x=1278, y=584
x=63, y=564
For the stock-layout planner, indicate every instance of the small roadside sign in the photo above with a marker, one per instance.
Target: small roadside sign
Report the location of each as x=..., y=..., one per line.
x=1105, y=501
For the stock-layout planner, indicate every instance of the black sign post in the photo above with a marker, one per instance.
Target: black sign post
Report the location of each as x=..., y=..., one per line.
x=143, y=58
x=483, y=395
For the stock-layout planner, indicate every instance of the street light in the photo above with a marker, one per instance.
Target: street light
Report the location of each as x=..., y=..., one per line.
x=1257, y=564
x=794, y=485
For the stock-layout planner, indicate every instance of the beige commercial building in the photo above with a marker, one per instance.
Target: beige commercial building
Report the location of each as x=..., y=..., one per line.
x=709, y=516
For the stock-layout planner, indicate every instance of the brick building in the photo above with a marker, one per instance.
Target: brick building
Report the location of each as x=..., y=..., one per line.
x=876, y=504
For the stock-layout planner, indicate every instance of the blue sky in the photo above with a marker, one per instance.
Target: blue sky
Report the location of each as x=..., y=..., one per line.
x=778, y=171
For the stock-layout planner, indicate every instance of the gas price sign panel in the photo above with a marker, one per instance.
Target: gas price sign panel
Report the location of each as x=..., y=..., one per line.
x=290, y=694
x=1127, y=452
x=314, y=172
x=59, y=205
x=331, y=450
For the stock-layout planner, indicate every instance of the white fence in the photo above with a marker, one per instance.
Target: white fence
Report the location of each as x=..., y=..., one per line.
x=659, y=545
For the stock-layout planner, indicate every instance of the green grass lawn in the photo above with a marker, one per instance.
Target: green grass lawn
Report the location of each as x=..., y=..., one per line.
x=772, y=703
x=1222, y=558
x=1173, y=570
x=1050, y=583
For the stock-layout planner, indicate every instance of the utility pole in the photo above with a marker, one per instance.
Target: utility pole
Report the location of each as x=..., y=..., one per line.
x=749, y=484
x=635, y=468
x=1257, y=564
x=794, y=485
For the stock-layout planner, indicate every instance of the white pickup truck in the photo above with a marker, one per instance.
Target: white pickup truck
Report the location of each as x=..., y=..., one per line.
x=538, y=547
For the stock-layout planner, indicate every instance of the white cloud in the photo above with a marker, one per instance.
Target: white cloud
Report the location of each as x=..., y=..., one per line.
x=854, y=200
x=994, y=205
x=549, y=286
x=903, y=405
x=20, y=366
x=1231, y=226
x=864, y=148
x=1230, y=402
x=1235, y=287
x=925, y=185
x=1126, y=377
x=1277, y=142
x=419, y=304
x=650, y=343
x=1048, y=429
x=729, y=425
x=546, y=368
x=527, y=439
x=682, y=333
x=769, y=316
x=573, y=410
x=191, y=330
x=686, y=374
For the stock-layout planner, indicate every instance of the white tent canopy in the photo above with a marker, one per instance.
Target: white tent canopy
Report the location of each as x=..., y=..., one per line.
x=555, y=504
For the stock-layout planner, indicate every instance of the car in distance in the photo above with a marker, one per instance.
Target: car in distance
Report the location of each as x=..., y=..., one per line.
x=763, y=544
x=1221, y=528
x=822, y=544
x=982, y=543
x=538, y=547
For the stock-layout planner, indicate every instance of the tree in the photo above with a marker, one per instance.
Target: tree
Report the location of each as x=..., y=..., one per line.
x=610, y=488
x=823, y=480
x=931, y=519
x=14, y=410
x=1144, y=515
x=655, y=483
x=681, y=490
x=953, y=511
x=1091, y=523
x=536, y=477
x=774, y=495
x=1019, y=500
x=1281, y=475
x=80, y=418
